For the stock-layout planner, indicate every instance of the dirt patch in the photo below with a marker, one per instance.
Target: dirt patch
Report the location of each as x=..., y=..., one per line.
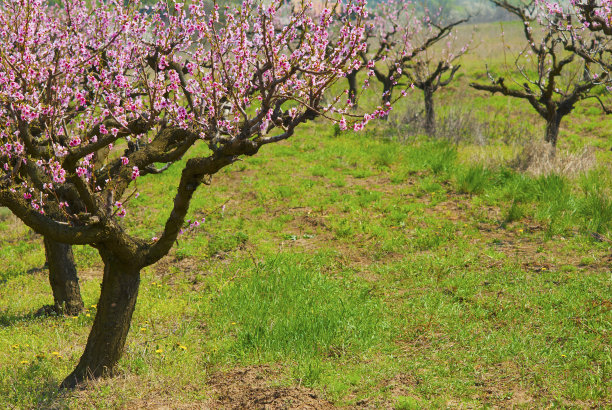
x=399, y=385
x=500, y=386
x=91, y=273
x=171, y=264
x=249, y=388
x=160, y=404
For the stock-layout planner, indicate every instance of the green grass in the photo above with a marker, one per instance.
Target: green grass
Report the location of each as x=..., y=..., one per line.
x=287, y=310
x=377, y=269
x=424, y=283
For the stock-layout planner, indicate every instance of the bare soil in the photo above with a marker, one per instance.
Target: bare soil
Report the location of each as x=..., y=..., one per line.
x=249, y=388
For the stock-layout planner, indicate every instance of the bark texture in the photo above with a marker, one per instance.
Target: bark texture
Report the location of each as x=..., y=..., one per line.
x=63, y=278
x=107, y=338
x=430, y=114
x=552, y=129
x=352, y=83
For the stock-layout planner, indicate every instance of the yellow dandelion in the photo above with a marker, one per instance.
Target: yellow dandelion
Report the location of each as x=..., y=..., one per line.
x=55, y=353
x=233, y=323
x=153, y=283
x=159, y=351
x=74, y=317
x=94, y=306
x=143, y=329
x=183, y=347
x=520, y=231
x=563, y=355
x=15, y=346
x=159, y=286
x=24, y=362
x=87, y=315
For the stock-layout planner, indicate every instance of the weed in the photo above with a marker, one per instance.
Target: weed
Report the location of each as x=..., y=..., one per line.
x=442, y=157
x=596, y=211
x=386, y=155
x=514, y=213
x=473, y=181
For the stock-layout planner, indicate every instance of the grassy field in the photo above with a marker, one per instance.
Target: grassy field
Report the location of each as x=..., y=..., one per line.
x=373, y=270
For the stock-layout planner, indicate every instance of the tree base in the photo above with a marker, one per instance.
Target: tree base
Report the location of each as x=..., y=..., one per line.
x=108, y=335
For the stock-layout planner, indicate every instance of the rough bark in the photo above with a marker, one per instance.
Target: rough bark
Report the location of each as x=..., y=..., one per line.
x=108, y=335
x=430, y=115
x=552, y=129
x=63, y=278
x=352, y=84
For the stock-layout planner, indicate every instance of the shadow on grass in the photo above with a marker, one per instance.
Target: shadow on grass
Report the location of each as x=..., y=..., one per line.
x=10, y=319
x=10, y=274
x=33, y=386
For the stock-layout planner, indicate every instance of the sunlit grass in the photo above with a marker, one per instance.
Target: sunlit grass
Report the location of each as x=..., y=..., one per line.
x=383, y=267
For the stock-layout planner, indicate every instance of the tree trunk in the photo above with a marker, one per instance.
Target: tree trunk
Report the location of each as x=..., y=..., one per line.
x=63, y=278
x=352, y=83
x=386, y=97
x=430, y=115
x=107, y=338
x=552, y=129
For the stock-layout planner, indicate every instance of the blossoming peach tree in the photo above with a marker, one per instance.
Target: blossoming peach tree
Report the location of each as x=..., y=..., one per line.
x=147, y=85
x=549, y=78
x=399, y=33
x=585, y=27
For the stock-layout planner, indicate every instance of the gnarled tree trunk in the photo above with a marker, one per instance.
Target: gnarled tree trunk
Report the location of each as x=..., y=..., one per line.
x=63, y=278
x=552, y=129
x=430, y=115
x=108, y=334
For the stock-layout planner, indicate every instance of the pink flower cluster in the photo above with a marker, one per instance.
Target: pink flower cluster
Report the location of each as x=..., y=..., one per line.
x=75, y=79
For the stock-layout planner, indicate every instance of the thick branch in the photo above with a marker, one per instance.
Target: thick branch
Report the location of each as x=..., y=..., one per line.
x=58, y=231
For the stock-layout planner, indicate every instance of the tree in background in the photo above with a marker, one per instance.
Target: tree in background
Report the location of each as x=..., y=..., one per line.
x=427, y=72
x=550, y=79
x=149, y=87
x=63, y=278
x=398, y=34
